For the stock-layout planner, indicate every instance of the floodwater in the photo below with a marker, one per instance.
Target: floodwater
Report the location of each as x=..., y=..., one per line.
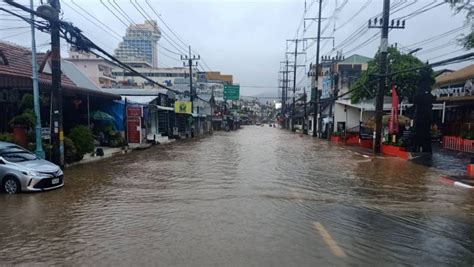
x=255, y=197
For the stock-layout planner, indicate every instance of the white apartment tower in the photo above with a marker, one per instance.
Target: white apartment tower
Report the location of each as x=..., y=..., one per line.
x=140, y=44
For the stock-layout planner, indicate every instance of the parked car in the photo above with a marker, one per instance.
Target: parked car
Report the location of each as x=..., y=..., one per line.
x=23, y=171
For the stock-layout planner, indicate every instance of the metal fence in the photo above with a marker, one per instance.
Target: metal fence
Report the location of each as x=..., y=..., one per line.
x=459, y=144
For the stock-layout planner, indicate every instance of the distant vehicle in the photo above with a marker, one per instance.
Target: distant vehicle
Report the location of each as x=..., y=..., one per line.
x=23, y=171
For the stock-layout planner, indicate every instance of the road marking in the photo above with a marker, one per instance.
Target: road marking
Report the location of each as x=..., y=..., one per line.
x=335, y=248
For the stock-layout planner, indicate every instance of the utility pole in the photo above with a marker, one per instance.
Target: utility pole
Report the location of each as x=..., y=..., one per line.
x=383, y=50
x=293, y=106
x=57, y=133
x=34, y=65
x=295, y=66
x=304, y=111
x=316, y=89
x=332, y=61
x=190, y=60
x=285, y=87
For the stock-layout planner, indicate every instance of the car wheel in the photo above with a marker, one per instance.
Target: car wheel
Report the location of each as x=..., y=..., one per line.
x=10, y=185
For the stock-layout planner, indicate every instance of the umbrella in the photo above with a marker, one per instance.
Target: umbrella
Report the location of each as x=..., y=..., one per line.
x=101, y=116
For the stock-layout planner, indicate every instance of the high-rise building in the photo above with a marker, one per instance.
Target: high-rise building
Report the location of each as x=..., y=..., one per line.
x=139, y=45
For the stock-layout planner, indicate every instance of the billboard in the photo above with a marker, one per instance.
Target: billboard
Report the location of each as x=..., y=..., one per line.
x=327, y=82
x=182, y=107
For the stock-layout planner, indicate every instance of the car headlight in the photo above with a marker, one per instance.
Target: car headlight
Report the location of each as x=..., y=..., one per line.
x=31, y=173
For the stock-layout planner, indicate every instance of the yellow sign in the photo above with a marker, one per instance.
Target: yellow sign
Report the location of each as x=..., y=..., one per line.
x=182, y=107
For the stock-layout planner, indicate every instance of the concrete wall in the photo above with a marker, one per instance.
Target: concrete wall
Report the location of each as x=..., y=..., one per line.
x=347, y=114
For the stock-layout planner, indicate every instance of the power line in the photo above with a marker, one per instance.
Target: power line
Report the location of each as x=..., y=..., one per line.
x=120, y=11
x=115, y=15
x=364, y=6
x=93, y=17
x=437, y=37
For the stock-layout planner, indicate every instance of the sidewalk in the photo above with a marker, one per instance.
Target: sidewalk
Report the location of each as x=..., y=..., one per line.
x=108, y=152
x=113, y=151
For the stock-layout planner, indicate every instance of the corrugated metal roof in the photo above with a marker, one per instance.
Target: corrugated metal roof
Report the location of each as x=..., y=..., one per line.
x=356, y=59
x=456, y=77
x=73, y=73
x=137, y=91
x=140, y=99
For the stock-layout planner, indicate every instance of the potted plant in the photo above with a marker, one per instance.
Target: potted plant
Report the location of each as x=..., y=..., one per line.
x=336, y=137
x=21, y=124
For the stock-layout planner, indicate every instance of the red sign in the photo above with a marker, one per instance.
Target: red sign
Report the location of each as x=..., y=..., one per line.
x=134, y=130
x=134, y=112
x=393, y=125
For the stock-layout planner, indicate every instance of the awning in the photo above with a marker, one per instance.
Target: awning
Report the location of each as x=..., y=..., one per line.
x=165, y=108
x=139, y=99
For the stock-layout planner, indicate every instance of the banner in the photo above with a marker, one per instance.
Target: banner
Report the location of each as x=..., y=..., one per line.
x=182, y=107
x=393, y=125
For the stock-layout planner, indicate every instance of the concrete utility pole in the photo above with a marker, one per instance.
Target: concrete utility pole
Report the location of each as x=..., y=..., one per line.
x=190, y=60
x=316, y=89
x=383, y=50
x=34, y=65
x=285, y=81
x=295, y=66
x=304, y=111
x=332, y=61
x=57, y=132
x=293, y=106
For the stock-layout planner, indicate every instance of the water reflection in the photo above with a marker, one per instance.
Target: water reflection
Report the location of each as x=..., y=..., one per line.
x=242, y=198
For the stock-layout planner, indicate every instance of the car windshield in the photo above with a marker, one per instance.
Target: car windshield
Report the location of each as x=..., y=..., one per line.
x=17, y=155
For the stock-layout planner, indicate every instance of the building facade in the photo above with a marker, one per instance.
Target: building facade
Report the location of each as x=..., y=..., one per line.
x=140, y=44
x=98, y=70
x=165, y=76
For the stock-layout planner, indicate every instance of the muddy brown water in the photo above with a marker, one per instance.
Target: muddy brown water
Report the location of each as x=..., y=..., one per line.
x=250, y=197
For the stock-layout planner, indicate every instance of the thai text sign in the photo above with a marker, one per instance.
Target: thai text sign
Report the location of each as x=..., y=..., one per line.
x=182, y=107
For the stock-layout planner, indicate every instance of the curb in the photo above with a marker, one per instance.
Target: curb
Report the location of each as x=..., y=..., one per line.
x=449, y=180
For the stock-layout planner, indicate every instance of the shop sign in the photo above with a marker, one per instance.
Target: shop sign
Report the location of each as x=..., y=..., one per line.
x=9, y=96
x=182, y=107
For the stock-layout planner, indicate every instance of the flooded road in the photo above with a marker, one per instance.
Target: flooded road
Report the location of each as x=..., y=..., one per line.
x=259, y=196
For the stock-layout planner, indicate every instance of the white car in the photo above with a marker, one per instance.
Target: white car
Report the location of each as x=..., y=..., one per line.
x=23, y=171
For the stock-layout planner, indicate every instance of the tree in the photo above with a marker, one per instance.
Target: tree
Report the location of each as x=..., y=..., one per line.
x=465, y=6
x=366, y=86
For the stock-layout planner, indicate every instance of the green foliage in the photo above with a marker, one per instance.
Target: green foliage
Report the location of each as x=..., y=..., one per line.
x=83, y=139
x=115, y=139
x=338, y=133
x=469, y=135
x=407, y=82
x=468, y=41
x=27, y=118
x=26, y=102
x=6, y=137
x=70, y=152
x=466, y=6
x=399, y=142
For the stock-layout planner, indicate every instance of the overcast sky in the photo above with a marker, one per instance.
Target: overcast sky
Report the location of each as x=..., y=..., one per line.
x=248, y=38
